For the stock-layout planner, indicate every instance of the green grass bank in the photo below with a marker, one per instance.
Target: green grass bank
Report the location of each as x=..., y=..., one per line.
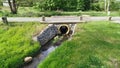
x=94, y=45
x=16, y=43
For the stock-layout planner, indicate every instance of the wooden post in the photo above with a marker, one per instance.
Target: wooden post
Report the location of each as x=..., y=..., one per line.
x=81, y=18
x=4, y=19
x=43, y=18
x=109, y=18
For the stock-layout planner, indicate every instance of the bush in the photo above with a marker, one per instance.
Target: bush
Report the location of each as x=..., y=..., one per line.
x=5, y=13
x=66, y=5
x=115, y=6
x=119, y=12
x=28, y=14
x=0, y=2
x=0, y=13
x=97, y=6
x=53, y=13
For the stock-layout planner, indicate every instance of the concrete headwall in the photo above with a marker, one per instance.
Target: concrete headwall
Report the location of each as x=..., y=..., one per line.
x=47, y=34
x=52, y=31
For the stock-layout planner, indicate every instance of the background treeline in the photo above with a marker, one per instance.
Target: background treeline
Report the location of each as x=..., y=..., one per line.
x=71, y=5
x=68, y=5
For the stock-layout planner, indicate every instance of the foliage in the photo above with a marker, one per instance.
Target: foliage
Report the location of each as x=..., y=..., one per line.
x=65, y=5
x=26, y=3
x=75, y=5
x=29, y=13
x=94, y=45
x=32, y=12
x=87, y=4
x=16, y=43
x=68, y=5
x=80, y=4
x=119, y=12
x=97, y=6
x=114, y=6
x=13, y=6
x=0, y=2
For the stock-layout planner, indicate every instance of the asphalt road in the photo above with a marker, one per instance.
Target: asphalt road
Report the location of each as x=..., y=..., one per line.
x=60, y=19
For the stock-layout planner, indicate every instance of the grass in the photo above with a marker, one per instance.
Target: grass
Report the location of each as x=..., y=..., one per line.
x=16, y=43
x=94, y=45
x=32, y=12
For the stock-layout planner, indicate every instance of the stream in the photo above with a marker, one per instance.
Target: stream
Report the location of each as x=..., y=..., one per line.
x=44, y=52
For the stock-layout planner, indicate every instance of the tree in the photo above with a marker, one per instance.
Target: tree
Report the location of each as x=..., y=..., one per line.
x=57, y=5
x=87, y=4
x=114, y=5
x=83, y=4
x=80, y=4
x=105, y=7
x=13, y=6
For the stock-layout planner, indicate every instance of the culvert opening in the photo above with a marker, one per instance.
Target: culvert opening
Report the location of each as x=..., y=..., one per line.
x=64, y=29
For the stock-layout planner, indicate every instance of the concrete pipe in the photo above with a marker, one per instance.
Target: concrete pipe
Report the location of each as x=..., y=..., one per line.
x=64, y=29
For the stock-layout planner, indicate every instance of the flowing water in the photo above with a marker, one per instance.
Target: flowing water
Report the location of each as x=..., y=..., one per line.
x=44, y=52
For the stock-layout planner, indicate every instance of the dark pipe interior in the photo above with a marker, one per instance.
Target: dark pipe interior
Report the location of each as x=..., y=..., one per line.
x=63, y=29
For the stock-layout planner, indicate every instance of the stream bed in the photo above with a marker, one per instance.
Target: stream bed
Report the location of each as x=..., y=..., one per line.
x=44, y=52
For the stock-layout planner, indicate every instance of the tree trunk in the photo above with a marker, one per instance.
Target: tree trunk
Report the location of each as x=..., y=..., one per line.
x=9, y=1
x=105, y=8
x=13, y=6
x=108, y=8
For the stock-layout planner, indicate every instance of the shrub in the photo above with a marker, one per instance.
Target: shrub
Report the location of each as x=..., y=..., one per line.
x=96, y=7
x=119, y=12
x=114, y=6
x=0, y=2
x=28, y=14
